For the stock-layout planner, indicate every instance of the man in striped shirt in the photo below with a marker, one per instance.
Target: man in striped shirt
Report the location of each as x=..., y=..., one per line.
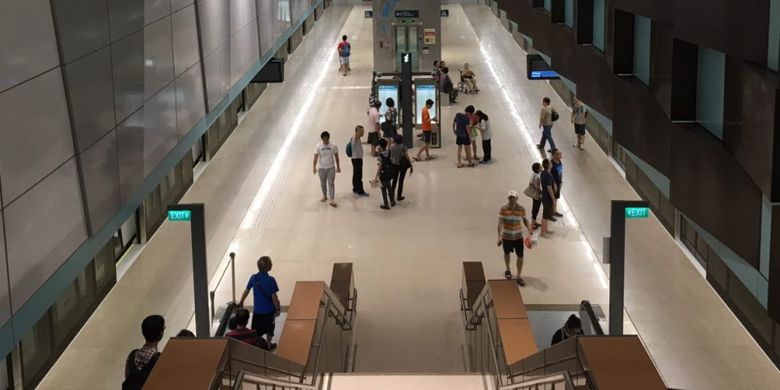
x=511, y=219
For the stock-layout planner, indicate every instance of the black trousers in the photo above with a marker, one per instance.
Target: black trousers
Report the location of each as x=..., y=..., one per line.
x=399, y=174
x=486, y=148
x=357, y=175
x=535, y=208
x=387, y=191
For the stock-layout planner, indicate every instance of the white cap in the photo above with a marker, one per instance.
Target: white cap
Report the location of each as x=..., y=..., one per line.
x=512, y=193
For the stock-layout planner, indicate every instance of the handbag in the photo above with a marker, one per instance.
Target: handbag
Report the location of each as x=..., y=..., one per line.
x=531, y=190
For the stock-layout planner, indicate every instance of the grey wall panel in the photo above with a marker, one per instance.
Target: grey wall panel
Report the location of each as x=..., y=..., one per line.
x=297, y=7
x=214, y=24
x=32, y=145
x=217, y=68
x=37, y=52
x=156, y=9
x=130, y=142
x=242, y=12
x=82, y=26
x=158, y=56
x=100, y=170
x=190, y=105
x=244, y=51
x=179, y=4
x=91, y=93
x=126, y=17
x=43, y=228
x=265, y=12
x=127, y=57
x=160, y=134
x=5, y=297
x=185, y=39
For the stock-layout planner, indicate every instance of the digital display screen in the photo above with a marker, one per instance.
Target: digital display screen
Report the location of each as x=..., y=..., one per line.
x=538, y=69
x=425, y=92
x=384, y=92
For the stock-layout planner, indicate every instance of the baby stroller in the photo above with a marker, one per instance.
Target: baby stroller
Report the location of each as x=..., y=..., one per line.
x=464, y=86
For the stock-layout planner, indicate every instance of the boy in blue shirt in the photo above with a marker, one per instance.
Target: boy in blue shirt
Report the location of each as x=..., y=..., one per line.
x=266, y=302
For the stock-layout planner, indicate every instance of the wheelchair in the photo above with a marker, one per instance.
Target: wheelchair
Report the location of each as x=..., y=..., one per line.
x=464, y=86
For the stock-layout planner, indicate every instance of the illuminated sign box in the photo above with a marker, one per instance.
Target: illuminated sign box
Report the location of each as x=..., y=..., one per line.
x=179, y=215
x=412, y=13
x=637, y=212
x=539, y=69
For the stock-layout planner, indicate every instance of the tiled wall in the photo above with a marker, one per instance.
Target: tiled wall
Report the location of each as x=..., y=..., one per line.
x=94, y=94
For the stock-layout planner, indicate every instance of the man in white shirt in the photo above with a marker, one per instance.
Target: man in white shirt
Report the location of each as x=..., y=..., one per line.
x=328, y=156
x=373, y=126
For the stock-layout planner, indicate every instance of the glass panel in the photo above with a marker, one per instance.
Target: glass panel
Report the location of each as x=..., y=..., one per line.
x=72, y=305
x=548, y=5
x=642, y=26
x=400, y=44
x=36, y=349
x=710, y=90
x=568, y=10
x=105, y=268
x=425, y=92
x=4, y=380
x=413, y=48
x=599, y=25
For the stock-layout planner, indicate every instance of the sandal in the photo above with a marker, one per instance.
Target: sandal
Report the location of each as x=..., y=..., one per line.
x=460, y=165
x=508, y=275
x=520, y=281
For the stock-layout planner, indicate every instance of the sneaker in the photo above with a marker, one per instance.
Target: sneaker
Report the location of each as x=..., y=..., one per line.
x=521, y=282
x=392, y=204
x=582, y=147
x=508, y=275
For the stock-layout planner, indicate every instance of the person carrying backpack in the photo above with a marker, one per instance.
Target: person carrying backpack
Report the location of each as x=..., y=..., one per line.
x=384, y=175
x=141, y=361
x=344, y=49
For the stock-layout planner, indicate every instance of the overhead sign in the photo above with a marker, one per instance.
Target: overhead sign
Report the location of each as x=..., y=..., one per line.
x=445, y=13
x=637, y=212
x=368, y=14
x=539, y=69
x=179, y=215
x=407, y=13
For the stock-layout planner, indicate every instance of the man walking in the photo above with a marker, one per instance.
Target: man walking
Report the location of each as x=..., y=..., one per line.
x=556, y=169
x=399, y=157
x=266, y=302
x=384, y=175
x=327, y=154
x=356, y=146
x=344, y=49
x=427, y=131
x=578, y=116
x=545, y=123
x=511, y=219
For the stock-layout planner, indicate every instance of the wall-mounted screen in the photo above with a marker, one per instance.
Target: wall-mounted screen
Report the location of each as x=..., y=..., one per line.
x=272, y=72
x=425, y=92
x=538, y=69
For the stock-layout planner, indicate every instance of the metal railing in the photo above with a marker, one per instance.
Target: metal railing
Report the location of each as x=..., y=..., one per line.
x=559, y=359
x=561, y=378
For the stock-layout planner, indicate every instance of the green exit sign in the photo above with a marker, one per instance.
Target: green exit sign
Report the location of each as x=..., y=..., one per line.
x=637, y=212
x=179, y=215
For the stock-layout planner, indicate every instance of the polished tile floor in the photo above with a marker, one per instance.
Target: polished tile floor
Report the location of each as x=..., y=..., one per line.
x=262, y=199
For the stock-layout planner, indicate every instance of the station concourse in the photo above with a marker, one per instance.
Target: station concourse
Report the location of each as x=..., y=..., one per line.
x=261, y=198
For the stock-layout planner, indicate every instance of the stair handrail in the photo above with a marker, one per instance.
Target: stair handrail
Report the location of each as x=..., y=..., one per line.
x=559, y=377
x=244, y=376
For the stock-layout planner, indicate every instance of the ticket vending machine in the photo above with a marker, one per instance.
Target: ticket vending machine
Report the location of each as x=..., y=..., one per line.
x=427, y=88
x=387, y=88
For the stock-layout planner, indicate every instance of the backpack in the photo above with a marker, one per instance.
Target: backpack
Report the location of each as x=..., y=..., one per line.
x=385, y=172
x=135, y=377
x=345, y=49
x=554, y=115
x=348, y=149
x=448, y=85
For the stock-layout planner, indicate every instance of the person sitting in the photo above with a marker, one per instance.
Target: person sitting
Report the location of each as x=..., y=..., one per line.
x=469, y=78
x=238, y=329
x=446, y=85
x=571, y=328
